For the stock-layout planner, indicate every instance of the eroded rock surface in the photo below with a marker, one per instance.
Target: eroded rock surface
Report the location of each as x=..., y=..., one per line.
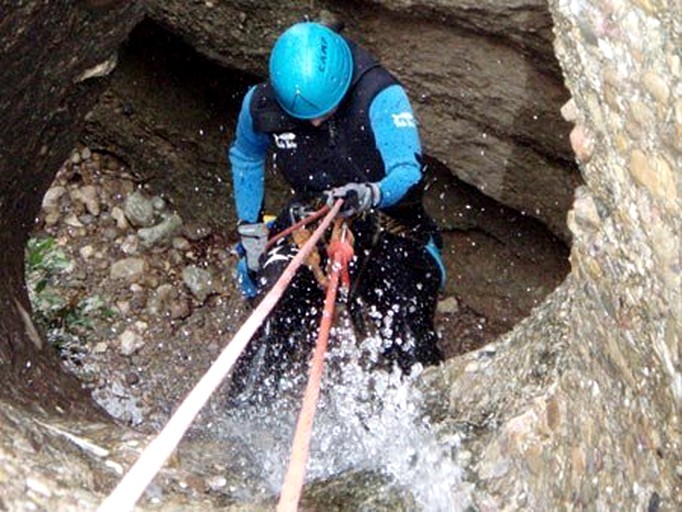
x=577, y=408
x=488, y=107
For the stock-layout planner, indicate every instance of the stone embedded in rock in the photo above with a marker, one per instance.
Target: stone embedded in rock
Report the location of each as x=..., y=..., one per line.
x=193, y=231
x=51, y=199
x=448, y=306
x=162, y=299
x=120, y=217
x=130, y=244
x=129, y=269
x=87, y=195
x=162, y=231
x=139, y=210
x=180, y=309
x=199, y=281
x=130, y=342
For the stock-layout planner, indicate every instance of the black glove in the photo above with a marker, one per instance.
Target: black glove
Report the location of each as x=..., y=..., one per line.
x=357, y=197
x=253, y=239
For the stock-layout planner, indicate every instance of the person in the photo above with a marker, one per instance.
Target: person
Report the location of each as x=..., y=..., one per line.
x=336, y=125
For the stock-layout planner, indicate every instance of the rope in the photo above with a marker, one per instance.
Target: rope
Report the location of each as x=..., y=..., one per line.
x=153, y=457
x=340, y=252
x=306, y=220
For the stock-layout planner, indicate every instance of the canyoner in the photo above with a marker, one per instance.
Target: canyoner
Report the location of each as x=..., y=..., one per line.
x=336, y=125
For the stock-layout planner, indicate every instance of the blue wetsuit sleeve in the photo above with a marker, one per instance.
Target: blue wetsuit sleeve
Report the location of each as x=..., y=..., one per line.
x=397, y=139
x=247, y=160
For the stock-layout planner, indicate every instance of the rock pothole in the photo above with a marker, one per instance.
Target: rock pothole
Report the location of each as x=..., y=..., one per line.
x=134, y=279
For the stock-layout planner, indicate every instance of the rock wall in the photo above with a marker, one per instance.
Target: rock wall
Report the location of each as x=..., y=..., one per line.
x=54, y=57
x=579, y=407
x=489, y=106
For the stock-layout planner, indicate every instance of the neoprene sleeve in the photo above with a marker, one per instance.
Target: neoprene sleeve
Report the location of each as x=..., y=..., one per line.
x=247, y=159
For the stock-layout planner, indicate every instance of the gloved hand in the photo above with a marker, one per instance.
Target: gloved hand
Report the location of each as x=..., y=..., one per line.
x=358, y=197
x=253, y=239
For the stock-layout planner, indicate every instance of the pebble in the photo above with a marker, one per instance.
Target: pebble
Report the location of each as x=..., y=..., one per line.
x=73, y=221
x=199, y=281
x=129, y=269
x=120, y=217
x=180, y=243
x=130, y=342
x=162, y=231
x=216, y=483
x=139, y=210
x=35, y=485
x=158, y=203
x=656, y=86
x=51, y=199
x=123, y=307
x=131, y=244
x=448, y=306
x=88, y=196
x=100, y=347
x=86, y=252
x=52, y=218
x=179, y=310
x=110, y=233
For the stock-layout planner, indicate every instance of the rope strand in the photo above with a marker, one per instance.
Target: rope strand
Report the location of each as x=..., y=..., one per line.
x=154, y=456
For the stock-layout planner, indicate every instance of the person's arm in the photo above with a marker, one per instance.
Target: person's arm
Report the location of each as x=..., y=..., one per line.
x=247, y=160
x=397, y=139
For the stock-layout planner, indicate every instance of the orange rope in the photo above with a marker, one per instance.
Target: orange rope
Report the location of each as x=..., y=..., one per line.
x=306, y=220
x=340, y=252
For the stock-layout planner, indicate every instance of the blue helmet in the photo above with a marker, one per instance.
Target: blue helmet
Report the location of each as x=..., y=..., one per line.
x=311, y=67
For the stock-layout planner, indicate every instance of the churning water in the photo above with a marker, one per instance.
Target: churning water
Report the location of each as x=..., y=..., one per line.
x=366, y=421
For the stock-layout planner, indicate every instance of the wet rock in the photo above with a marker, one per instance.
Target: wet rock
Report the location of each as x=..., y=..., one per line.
x=588, y=383
x=180, y=309
x=120, y=218
x=51, y=199
x=162, y=231
x=88, y=196
x=130, y=342
x=139, y=210
x=195, y=231
x=199, y=281
x=161, y=300
x=448, y=306
x=129, y=269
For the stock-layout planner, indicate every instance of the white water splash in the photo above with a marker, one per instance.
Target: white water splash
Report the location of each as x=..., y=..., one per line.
x=366, y=421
